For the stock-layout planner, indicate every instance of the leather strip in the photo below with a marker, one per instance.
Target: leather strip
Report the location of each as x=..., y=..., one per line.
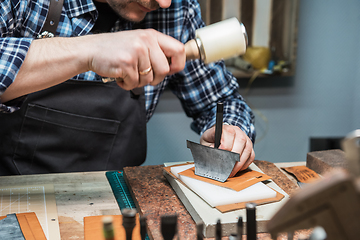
x=53, y=16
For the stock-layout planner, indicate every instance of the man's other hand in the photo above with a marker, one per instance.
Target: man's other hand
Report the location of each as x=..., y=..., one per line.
x=235, y=140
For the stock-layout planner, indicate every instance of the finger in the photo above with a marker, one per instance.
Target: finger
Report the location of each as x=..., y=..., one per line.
x=236, y=169
x=249, y=160
x=245, y=160
x=228, y=138
x=208, y=137
x=145, y=70
x=129, y=81
x=175, y=50
x=159, y=64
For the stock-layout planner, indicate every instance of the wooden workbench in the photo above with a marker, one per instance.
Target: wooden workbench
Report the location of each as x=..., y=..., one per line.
x=84, y=194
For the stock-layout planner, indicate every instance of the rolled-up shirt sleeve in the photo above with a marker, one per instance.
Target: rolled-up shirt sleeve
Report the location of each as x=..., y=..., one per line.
x=12, y=55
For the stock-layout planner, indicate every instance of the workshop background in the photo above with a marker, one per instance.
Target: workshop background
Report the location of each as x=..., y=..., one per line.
x=322, y=99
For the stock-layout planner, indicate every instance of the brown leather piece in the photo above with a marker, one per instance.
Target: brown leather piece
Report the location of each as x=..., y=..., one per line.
x=277, y=176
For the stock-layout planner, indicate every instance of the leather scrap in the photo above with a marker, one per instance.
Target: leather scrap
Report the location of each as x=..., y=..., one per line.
x=302, y=173
x=93, y=228
x=277, y=176
x=239, y=182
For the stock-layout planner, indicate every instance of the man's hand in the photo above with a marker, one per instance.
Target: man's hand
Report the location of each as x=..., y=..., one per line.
x=235, y=140
x=129, y=54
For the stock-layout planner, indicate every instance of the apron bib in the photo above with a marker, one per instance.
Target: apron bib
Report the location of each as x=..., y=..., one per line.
x=74, y=126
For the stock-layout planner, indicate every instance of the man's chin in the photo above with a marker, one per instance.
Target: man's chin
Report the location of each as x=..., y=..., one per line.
x=135, y=17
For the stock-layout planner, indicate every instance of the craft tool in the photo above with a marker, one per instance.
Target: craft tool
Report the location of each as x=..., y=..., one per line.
x=239, y=228
x=199, y=231
x=219, y=123
x=108, y=228
x=218, y=232
x=143, y=227
x=251, y=221
x=168, y=226
x=129, y=221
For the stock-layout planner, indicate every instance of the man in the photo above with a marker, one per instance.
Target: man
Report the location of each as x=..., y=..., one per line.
x=51, y=124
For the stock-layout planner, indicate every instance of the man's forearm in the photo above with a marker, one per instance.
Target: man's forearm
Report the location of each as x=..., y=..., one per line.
x=117, y=55
x=47, y=63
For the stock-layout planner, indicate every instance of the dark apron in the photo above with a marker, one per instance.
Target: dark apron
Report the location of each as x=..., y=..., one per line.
x=74, y=126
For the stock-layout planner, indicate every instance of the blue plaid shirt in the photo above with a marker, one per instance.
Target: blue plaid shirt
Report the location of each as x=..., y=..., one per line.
x=198, y=86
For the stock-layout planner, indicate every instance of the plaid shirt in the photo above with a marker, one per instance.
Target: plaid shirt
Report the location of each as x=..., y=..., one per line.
x=198, y=86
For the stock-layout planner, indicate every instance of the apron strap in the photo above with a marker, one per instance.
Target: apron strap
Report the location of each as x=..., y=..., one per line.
x=52, y=18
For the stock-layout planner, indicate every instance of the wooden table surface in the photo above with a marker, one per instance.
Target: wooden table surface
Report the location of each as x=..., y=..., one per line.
x=77, y=195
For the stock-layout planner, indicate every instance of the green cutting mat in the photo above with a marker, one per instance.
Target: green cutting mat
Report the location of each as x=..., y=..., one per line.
x=121, y=191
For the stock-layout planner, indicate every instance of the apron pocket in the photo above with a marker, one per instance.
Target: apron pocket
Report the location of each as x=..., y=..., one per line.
x=57, y=141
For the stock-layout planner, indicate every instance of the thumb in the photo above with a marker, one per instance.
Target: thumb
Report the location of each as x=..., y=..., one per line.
x=208, y=137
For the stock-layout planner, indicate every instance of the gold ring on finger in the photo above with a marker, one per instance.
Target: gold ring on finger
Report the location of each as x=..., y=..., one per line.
x=146, y=71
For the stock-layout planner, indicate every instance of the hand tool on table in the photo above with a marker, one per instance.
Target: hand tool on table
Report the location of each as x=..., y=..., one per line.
x=168, y=226
x=239, y=228
x=108, y=228
x=143, y=227
x=251, y=221
x=129, y=221
x=199, y=231
x=219, y=123
x=239, y=232
x=211, y=162
x=218, y=232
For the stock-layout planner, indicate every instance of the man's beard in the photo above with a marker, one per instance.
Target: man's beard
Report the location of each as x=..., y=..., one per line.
x=120, y=7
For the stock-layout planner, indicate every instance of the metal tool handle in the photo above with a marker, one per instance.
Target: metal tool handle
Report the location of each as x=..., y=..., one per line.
x=199, y=231
x=218, y=230
x=240, y=228
x=219, y=123
x=129, y=221
x=168, y=226
x=143, y=227
x=251, y=221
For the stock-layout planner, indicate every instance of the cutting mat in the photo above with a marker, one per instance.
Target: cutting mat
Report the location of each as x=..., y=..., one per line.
x=36, y=198
x=121, y=191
